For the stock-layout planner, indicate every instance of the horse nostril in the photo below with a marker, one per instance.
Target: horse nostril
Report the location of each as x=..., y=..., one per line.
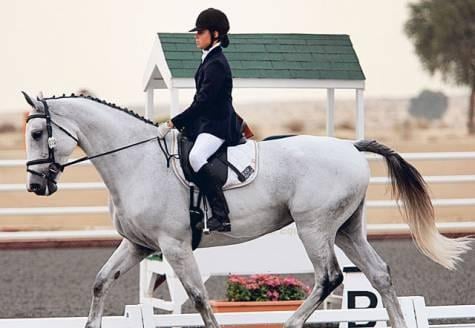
x=35, y=186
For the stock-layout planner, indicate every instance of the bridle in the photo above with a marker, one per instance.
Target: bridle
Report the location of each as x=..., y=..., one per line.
x=54, y=167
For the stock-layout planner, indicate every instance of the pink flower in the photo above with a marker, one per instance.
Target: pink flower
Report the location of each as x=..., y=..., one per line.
x=274, y=295
x=272, y=281
x=234, y=279
x=252, y=286
x=268, y=286
x=290, y=281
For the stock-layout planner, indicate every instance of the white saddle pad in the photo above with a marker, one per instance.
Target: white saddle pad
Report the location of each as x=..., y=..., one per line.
x=241, y=156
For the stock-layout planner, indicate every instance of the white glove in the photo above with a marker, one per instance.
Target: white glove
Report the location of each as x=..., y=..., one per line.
x=163, y=129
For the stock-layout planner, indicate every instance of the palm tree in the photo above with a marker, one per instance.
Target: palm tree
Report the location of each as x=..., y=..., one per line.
x=443, y=33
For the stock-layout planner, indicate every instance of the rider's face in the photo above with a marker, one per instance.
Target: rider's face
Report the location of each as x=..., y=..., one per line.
x=203, y=38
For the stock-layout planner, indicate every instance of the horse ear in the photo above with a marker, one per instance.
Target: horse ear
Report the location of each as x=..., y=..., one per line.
x=33, y=102
x=28, y=99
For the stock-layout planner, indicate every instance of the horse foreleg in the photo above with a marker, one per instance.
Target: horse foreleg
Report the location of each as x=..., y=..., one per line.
x=126, y=256
x=180, y=256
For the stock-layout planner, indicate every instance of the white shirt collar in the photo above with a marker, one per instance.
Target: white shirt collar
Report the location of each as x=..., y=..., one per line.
x=206, y=52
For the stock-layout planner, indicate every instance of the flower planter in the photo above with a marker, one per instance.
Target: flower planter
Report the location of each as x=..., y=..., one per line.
x=254, y=306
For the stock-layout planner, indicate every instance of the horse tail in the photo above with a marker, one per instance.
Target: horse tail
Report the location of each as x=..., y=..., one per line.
x=408, y=185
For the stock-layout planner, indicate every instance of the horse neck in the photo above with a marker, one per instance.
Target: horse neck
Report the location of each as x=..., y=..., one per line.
x=102, y=128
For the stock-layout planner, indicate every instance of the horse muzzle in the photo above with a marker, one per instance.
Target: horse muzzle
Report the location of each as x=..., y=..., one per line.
x=47, y=189
x=48, y=185
x=37, y=189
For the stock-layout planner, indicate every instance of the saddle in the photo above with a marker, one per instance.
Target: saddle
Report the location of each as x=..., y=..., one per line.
x=235, y=166
x=218, y=161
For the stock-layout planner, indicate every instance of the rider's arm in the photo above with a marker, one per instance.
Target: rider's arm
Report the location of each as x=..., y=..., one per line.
x=211, y=86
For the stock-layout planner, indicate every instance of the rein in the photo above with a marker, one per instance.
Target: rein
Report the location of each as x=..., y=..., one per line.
x=165, y=152
x=55, y=167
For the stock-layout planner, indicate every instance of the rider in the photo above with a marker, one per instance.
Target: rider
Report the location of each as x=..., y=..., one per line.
x=210, y=120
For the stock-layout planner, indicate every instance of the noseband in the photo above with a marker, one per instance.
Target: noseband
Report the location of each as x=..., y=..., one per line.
x=54, y=167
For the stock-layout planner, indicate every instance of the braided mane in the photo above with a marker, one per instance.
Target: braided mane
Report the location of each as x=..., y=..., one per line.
x=112, y=105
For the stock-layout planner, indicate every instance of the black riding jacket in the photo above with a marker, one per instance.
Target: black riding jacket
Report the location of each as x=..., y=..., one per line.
x=212, y=110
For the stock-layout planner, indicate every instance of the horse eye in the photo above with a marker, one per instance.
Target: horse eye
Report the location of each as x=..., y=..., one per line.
x=36, y=134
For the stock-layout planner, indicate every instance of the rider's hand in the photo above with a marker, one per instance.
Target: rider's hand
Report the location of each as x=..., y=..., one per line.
x=163, y=129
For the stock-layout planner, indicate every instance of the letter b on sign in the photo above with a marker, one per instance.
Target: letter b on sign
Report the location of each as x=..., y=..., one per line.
x=352, y=298
x=359, y=294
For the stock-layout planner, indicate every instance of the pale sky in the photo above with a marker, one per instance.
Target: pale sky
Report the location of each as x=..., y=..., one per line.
x=60, y=46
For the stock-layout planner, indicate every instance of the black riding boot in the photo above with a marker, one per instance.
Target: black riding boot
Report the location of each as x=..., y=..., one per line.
x=210, y=186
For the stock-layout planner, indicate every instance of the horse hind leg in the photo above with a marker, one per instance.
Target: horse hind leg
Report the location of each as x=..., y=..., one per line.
x=351, y=239
x=328, y=275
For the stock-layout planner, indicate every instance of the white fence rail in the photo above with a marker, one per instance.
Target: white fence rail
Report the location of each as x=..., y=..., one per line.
x=430, y=156
x=31, y=236
x=8, y=187
x=416, y=313
x=21, y=162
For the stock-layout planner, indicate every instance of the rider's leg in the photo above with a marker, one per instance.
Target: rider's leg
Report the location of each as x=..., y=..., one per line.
x=206, y=145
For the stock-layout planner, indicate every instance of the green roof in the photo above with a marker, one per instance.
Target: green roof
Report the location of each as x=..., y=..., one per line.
x=270, y=55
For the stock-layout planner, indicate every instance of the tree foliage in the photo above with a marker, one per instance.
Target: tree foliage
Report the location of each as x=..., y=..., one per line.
x=444, y=36
x=443, y=33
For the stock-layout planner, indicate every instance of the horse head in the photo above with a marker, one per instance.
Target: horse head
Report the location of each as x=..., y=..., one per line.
x=49, y=141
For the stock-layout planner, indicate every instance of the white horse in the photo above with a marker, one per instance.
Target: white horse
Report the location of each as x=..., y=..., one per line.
x=317, y=182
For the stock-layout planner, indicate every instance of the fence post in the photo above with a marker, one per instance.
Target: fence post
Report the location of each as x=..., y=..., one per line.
x=147, y=315
x=407, y=307
x=420, y=312
x=133, y=316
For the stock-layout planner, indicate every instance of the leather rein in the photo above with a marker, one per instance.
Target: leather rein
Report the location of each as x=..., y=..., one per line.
x=55, y=167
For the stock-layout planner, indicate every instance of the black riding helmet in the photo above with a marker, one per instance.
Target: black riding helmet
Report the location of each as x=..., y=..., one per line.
x=213, y=20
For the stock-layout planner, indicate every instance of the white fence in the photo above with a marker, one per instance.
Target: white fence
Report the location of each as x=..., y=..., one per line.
x=416, y=314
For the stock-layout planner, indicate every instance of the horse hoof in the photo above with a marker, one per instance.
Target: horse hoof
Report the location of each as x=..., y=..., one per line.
x=91, y=325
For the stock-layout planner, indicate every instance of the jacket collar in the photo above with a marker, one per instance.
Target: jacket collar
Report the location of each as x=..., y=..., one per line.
x=209, y=53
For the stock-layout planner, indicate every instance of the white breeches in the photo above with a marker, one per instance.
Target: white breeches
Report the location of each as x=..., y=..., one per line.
x=205, y=145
